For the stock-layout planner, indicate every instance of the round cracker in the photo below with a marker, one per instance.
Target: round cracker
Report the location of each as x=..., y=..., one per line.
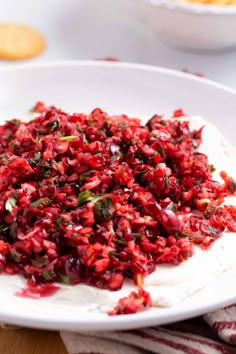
x=19, y=42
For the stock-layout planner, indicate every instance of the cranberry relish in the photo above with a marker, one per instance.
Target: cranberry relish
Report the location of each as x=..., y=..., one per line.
x=96, y=198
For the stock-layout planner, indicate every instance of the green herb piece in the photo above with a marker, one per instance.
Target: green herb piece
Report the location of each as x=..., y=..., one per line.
x=65, y=279
x=212, y=231
x=8, y=137
x=46, y=201
x=15, y=122
x=59, y=221
x=36, y=158
x=86, y=235
x=166, y=181
x=128, y=273
x=209, y=211
x=184, y=234
x=39, y=262
x=112, y=254
x=197, y=182
x=196, y=153
x=47, y=173
x=137, y=234
x=46, y=168
x=54, y=125
x=121, y=243
x=119, y=153
x=48, y=274
x=12, y=145
x=4, y=156
x=104, y=209
x=133, y=142
x=142, y=172
x=84, y=197
x=67, y=138
x=16, y=255
x=41, y=132
x=10, y=203
x=232, y=186
x=122, y=125
x=4, y=228
x=149, y=121
x=91, y=122
x=213, y=169
x=38, y=140
x=84, y=175
x=161, y=151
x=78, y=128
x=98, y=210
x=74, y=235
x=107, y=123
x=88, y=253
x=172, y=206
x=85, y=141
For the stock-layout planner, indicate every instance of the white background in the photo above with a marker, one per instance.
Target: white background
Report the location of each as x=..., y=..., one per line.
x=88, y=29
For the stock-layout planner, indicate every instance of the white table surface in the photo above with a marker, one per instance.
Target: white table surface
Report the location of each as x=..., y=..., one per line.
x=88, y=29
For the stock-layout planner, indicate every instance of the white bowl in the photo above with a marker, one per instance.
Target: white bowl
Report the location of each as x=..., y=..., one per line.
x=191, y=26
x=117, y=88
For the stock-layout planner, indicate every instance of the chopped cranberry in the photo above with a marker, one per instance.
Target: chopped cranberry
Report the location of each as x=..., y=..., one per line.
x=132, y=303
x=179, y=113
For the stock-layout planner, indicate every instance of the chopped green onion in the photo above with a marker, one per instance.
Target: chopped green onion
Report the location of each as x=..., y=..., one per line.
x=40, y=201
x=48, y=274
x=137, y=234
x=104, y=209
x=84, y=197
x=67, y=138
x=65, y=279
x=166, y=181
x=16, y=122
x=121, y=243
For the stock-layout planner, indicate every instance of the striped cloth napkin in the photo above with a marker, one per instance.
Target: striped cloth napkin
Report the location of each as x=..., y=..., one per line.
x=215, y=333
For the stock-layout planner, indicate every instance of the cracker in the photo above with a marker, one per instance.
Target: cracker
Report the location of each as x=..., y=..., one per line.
x=19, y=42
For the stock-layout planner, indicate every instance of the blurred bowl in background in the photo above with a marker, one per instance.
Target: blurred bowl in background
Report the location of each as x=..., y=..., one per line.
x=191, y=26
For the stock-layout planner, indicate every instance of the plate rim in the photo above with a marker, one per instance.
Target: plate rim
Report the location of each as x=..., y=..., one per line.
x=122, y=322
x=120, y=64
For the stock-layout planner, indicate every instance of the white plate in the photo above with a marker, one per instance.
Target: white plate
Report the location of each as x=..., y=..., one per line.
x=117, y=88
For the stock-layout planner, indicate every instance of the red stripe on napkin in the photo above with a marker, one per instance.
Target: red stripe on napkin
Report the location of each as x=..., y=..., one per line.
x=184, y=348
